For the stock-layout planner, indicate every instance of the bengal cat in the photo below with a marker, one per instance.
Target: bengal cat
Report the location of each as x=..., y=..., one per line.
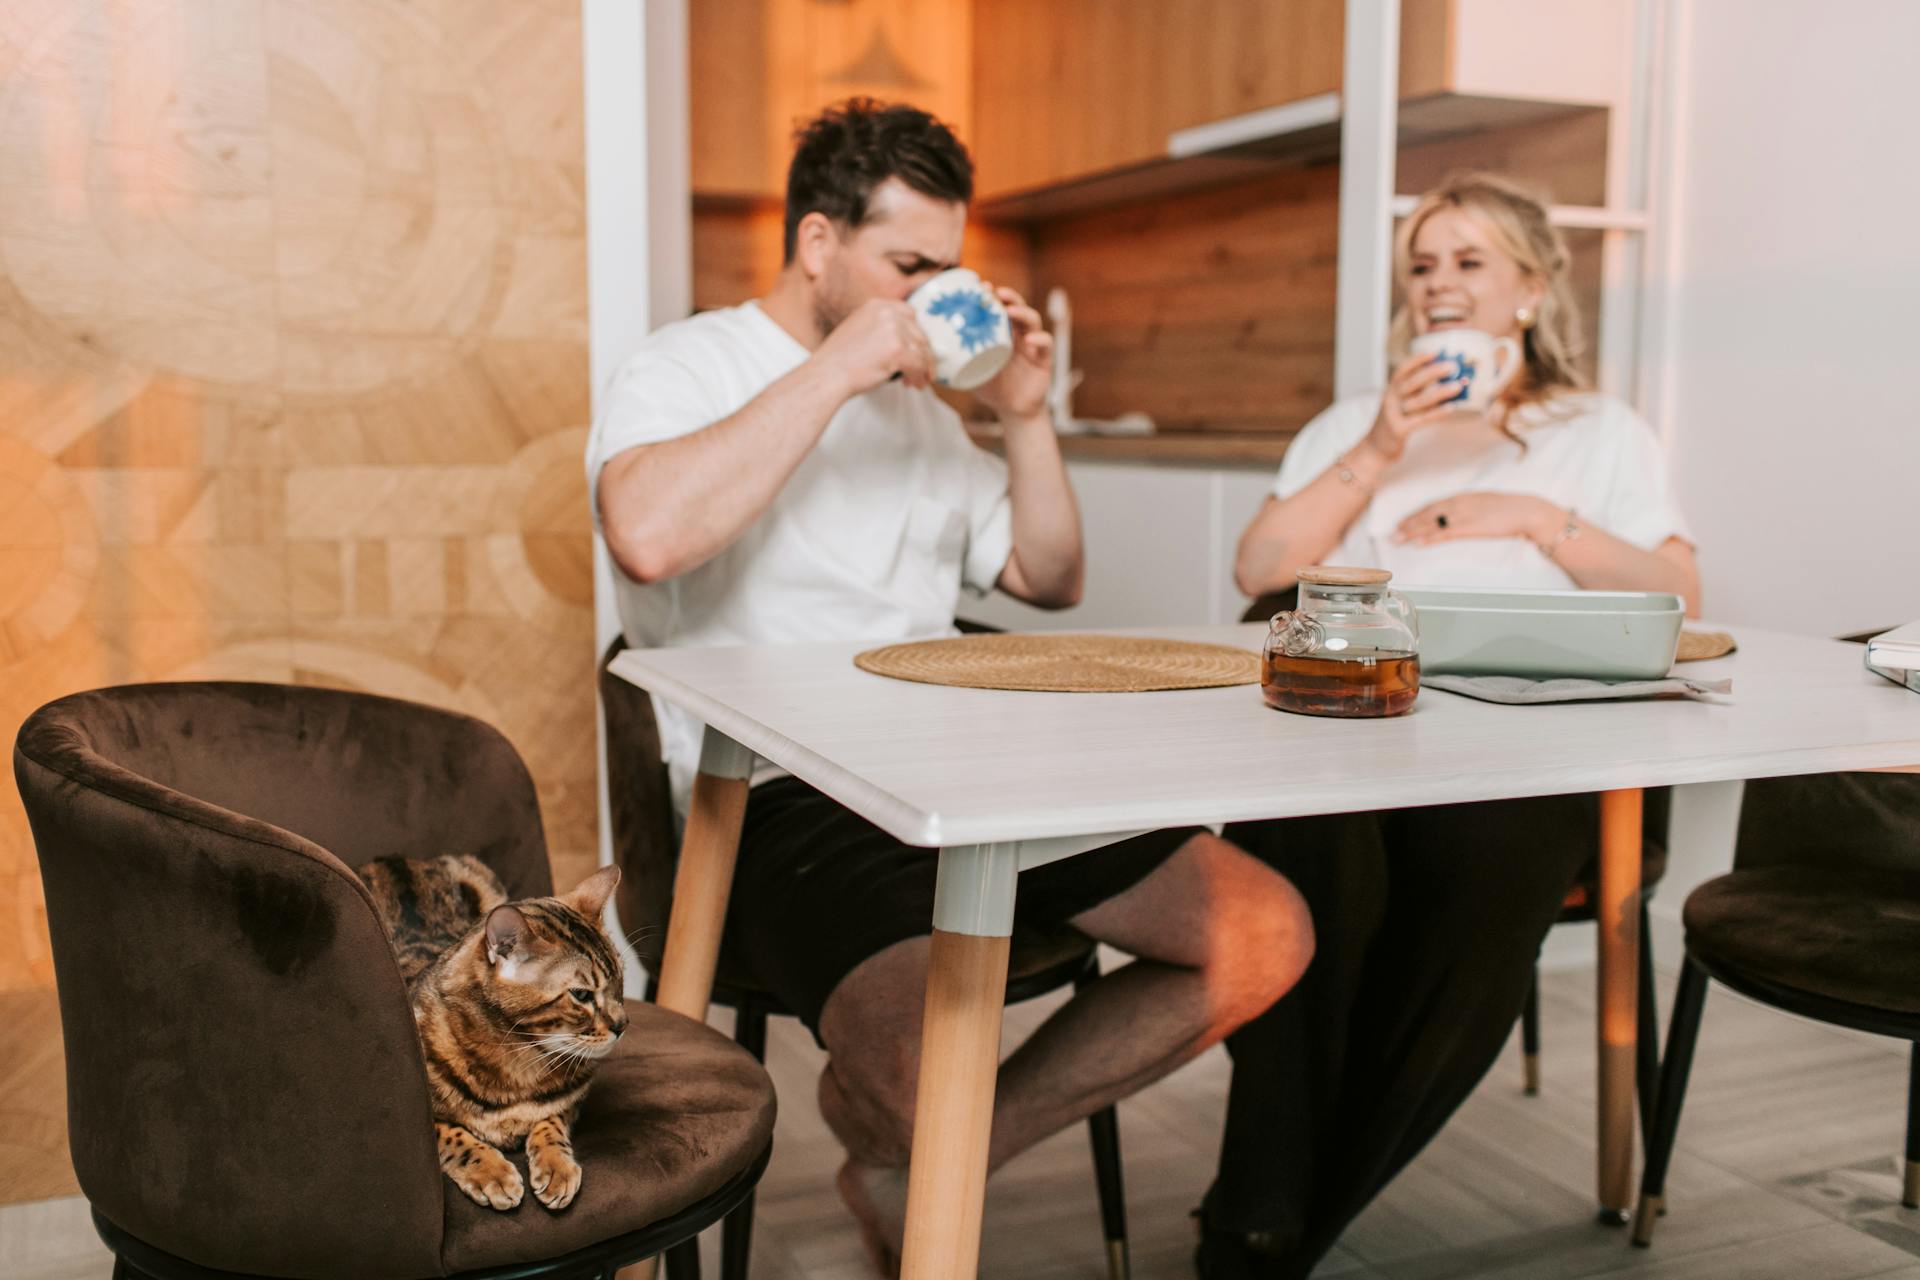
x=516, y=1003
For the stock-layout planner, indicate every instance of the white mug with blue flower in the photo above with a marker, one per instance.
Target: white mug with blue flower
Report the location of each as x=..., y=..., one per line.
x=972, y=338
x=1482, y=365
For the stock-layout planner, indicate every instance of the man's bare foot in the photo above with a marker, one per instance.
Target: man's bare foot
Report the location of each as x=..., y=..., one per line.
x=877, y=1198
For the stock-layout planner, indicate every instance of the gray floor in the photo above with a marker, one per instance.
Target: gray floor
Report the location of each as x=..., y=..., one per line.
x=1787, y=1168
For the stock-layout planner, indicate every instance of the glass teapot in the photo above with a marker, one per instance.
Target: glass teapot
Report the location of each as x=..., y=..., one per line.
x=1351, y=647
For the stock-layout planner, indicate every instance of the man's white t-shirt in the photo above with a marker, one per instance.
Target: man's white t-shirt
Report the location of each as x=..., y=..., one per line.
x=871, y=538
x=1591, y=454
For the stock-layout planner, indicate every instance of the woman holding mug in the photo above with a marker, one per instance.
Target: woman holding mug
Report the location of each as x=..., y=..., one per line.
x=1430, y=919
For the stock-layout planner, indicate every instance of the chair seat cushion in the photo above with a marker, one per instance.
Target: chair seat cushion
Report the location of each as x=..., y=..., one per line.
x=1844, y=934
x=675, y=1112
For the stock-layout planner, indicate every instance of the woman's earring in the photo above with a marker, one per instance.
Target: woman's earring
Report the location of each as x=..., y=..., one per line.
x=1523, y=317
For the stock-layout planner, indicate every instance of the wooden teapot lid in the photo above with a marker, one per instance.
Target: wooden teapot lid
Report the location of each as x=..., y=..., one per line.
x=1326, y=575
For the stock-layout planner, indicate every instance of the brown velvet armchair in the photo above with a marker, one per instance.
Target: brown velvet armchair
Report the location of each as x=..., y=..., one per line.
x=245, y=1090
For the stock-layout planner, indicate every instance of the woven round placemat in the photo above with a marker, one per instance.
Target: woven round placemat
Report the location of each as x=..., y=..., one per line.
x=1052, y=663
x=1698, y=646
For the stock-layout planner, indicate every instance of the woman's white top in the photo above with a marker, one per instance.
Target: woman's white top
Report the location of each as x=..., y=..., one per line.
x=1591, y=454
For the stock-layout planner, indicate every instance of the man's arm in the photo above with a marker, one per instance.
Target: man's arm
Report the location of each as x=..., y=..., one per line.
x=670, y=507
x=1048, y=564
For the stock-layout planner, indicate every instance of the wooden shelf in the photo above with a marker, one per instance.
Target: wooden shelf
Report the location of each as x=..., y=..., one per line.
x=1185, y=448
x=1249, y=146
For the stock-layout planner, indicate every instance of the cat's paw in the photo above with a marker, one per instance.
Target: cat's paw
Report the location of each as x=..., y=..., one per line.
x=555, y=1176
x=488, y=1178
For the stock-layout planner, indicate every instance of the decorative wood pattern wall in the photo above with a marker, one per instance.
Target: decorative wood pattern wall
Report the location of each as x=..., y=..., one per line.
x=293, y=368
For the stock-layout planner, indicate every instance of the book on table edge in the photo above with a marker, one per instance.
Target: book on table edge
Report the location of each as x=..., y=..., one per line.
x=1896, y=655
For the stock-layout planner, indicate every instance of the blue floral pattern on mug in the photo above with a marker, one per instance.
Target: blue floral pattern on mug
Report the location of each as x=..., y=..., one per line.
x=1463, y=373
x=972, y=316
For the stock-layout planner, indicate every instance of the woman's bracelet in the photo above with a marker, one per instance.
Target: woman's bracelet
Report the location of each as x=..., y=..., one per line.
x=1568, y=532
x=1348, y=476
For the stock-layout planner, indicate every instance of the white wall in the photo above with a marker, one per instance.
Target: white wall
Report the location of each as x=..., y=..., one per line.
x=1790, y=364
x=639, y=217
x=1160, y=543
x=1790, y=384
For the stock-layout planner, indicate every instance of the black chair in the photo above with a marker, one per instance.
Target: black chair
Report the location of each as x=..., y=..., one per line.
x=1820, y=917
x=645, y=846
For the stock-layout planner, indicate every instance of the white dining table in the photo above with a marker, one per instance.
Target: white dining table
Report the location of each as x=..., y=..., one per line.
x=999, y=781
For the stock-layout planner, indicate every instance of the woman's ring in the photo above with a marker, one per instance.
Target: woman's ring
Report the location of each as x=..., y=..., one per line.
x=1440, y=519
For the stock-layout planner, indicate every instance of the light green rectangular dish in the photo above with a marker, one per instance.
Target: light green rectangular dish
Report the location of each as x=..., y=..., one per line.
x=1547, y=635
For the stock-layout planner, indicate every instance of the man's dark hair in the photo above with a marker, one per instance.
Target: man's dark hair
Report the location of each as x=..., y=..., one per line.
x=854, y=146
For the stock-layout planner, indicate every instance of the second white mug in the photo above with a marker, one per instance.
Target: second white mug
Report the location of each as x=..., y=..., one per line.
x=1482, y=363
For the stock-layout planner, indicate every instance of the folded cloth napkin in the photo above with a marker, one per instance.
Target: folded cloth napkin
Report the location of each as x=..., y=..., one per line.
x=1521, y=689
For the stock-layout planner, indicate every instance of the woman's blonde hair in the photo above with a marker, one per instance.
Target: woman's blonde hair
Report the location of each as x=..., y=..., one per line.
x=1517, y=220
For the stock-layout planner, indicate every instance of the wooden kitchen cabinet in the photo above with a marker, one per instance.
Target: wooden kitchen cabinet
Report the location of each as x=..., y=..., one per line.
x=1070, y=92
x=1068, y=88
x=760, y=67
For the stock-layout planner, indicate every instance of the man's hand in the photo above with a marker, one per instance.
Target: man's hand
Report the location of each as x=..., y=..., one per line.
x=1020, y=389
x=880, y=339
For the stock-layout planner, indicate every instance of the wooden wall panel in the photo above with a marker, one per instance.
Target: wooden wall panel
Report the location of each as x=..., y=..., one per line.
x=1209, y=311
x=293, y=369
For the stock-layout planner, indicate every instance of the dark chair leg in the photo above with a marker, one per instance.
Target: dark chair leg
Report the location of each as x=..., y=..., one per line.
x=1688, y=1002
x=1530, y=1036
x=1910, y=1179
x=736, y=1230
x=683, y=1260
x=1103, y=1129
x=1646, y=1065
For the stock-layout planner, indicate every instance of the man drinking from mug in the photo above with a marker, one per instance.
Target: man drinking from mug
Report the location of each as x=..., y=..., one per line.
x=782, y=472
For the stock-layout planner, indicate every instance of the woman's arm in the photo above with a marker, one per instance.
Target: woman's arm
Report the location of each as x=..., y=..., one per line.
x=1598, y=561
x=1595, y=559
x=1290, y=533
x=1287, y=534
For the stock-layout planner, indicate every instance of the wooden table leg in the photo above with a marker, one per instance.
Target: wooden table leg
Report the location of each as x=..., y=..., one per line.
x=959, y=1062
x=701, y=885
x=1617, y=915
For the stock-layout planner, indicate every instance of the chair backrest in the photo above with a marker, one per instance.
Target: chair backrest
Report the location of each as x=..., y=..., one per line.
x=640, y=809
x=1264, y=607
x=244, y=1080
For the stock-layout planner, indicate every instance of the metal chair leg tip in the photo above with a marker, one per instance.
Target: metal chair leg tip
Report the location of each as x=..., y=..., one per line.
x=1910, y=1185
x=1611, y=1217
x=1651, y=1210
x=1530, y=1066
x=1118, y=1265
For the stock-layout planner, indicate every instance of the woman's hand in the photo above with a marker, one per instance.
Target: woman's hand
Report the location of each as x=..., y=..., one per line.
x=1413, y=401
x=1483, y=515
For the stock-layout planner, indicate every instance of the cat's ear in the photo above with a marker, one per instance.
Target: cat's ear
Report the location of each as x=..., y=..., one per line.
x=505, y=928
x=589, y=897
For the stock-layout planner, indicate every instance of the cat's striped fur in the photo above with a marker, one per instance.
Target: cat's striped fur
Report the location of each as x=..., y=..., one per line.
x=515, y=1003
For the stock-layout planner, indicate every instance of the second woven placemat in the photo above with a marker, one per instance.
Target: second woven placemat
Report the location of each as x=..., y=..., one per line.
x=1050, y=663
x=1698, y=646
